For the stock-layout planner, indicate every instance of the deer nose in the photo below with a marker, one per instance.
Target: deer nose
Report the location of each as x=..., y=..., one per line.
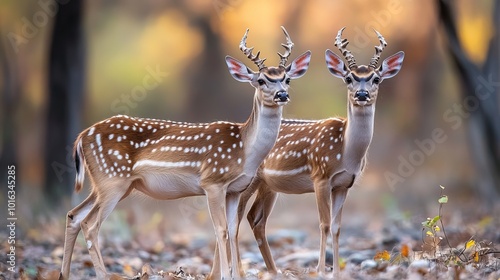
x=362, y=95
x=281, y=96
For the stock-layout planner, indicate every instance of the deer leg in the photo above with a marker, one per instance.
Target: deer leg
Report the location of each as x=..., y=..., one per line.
x=257, y=217
x=215, y=271
x=338, y=198
x=240, y=211
x=73, y=220
x=232, y=202
x=91, y=225
x=217, y=208
x=244, y=198
x=322, y=190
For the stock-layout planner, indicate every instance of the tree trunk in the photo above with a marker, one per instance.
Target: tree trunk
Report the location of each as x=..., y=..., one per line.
x=208, y=90
x=8, y=114
x=480, y=87
x=66, y=87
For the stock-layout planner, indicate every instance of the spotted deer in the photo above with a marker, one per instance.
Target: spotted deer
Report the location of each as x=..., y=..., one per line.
x=168, y=160
x=322, y=156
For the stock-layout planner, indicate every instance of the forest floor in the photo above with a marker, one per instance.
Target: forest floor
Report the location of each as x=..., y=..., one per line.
x=442, y=247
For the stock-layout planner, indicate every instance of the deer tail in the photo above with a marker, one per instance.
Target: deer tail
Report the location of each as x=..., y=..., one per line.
x=79, y=164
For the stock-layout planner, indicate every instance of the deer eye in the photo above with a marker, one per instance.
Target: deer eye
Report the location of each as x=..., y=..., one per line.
x=287, y=81
x=348, y=80
x=376, y=80
x=261, y=82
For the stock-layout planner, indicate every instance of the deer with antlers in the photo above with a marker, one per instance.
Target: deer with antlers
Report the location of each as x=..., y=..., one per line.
x=169, y=160
x=322, y=156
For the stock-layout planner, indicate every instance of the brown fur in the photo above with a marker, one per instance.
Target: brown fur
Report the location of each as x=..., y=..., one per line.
x=313, y=138
x=156, y=136
x=274, y=71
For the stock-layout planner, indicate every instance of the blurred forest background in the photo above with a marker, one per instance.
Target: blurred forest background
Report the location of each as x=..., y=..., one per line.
x=66, y=67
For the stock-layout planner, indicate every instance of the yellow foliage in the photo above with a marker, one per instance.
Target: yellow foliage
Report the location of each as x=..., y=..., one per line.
x=382, y=256
x=476, y=257
x=475, y=33
x=170, y=36
x=237, y=16
x=469, y=244
x=405, y=250
x=342, y=263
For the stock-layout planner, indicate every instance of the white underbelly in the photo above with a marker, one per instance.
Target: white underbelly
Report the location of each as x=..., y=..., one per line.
x=170, y=185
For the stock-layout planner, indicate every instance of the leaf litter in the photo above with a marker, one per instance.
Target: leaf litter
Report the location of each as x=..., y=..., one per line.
x=442, y=251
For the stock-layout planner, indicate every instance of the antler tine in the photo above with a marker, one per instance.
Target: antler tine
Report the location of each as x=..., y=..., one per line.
x=248, y=52
x=288, y=48
x=341, y=44
x=378, y=50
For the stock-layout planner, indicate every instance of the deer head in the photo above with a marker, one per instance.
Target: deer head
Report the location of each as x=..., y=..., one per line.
x=271, y=83
x=362, y=81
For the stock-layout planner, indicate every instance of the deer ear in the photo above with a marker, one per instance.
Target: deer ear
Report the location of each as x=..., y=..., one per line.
x=391, y=65
x=238, y=70
x=335, y=64
x=299, y=66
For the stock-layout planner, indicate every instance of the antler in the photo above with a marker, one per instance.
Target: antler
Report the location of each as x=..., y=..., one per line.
x=342, y=45
x=288, y=48
x=248, y=52
x=378, y=50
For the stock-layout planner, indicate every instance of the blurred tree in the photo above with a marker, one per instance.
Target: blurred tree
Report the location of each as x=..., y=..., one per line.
x=207, y=74
x=207, y=86
x=208, y=77
x=480, y=106
x=8, y=109
x=65, y=95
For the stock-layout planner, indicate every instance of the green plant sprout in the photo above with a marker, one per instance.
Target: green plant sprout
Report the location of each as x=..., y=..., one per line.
x=431, y=228
x=433, y=234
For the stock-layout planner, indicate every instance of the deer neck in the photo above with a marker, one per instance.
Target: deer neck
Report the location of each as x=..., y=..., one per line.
x=358, y=132
x=259, y=133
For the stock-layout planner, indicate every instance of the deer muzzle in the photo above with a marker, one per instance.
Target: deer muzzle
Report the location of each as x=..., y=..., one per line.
x=281, y=96
x=362, y=95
